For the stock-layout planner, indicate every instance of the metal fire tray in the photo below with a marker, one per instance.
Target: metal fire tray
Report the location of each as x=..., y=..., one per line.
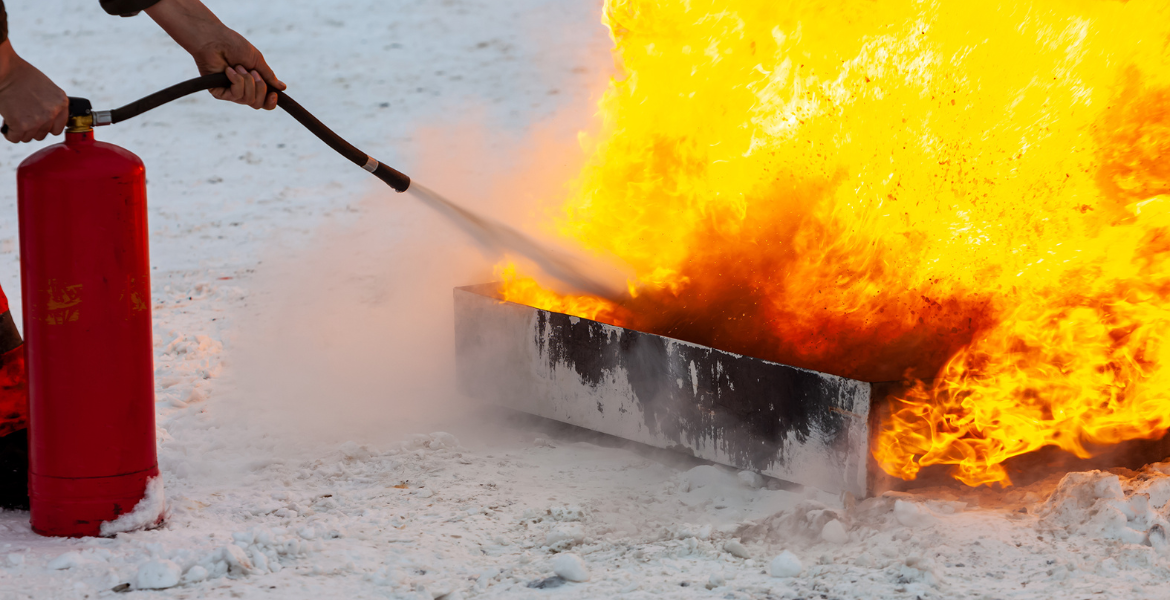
x=794, y=424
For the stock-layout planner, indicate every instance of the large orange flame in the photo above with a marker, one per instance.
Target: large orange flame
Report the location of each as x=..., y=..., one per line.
x=974, y=196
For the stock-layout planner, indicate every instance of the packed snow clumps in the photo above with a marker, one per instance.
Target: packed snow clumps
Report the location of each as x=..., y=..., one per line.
x=439, y=440
x=786, y=564
x=736, y=549
x=1094, y=504
x=751, y=479
x=157, y=575
x=912, y=514
x=563, y=536
x=834, y=533
x=147, y=513
x=68, y=560
x=805, y=520
x=711, y=476
x=570, y=567
x=254, y=552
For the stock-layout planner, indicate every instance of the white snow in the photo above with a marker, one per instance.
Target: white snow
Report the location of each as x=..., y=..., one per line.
x=1094, y=504
x=834, y=532
x=563, y=536
x=196, y=574
x=912, y=514
x=570, y=567
x=751, y=479
x=145, y=514
x=786, y=564
x=157, y=575
x=303, y=353
x=736, y=549
x=68, y=560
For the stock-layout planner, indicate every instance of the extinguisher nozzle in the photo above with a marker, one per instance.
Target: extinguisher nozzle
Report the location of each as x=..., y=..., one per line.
x=80, y=115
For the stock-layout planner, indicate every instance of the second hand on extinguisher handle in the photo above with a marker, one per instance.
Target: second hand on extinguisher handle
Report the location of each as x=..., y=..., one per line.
x=78, y=107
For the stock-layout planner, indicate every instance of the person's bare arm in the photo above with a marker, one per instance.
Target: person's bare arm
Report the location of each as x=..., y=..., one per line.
x=218, y=49
x=31, y=104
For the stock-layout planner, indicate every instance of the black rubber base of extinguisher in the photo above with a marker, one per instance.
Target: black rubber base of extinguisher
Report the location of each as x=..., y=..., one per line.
x=14, y=471
x=391, y=177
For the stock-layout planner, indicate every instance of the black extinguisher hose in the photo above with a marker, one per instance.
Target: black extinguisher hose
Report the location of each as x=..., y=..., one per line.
x=392, y=177
x=493, y=236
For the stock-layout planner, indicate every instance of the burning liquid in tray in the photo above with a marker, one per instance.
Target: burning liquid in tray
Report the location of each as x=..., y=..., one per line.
x=969, y=194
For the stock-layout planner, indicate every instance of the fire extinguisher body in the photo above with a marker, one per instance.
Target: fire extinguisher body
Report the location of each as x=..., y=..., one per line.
x=85, y=273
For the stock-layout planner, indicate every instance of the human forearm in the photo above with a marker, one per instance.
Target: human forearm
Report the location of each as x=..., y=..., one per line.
x=32, y=105
x=3, y=23
x=8, y=60
x=218, y=49
x=188, y=22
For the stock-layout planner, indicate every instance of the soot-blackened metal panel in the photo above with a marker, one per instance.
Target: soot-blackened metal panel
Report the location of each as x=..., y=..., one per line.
x=790, y=423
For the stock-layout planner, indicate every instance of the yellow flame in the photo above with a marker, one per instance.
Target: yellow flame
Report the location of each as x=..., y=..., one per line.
x=970, y=195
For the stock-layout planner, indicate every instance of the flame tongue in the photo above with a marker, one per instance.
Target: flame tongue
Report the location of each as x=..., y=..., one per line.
x=973, y=196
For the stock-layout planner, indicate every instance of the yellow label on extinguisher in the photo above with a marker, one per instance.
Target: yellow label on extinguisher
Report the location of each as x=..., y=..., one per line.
x=135, y=297
x=62, y=303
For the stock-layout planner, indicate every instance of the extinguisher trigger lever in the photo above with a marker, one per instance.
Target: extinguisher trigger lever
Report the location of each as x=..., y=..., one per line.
x=79, y=107
x=80, y=115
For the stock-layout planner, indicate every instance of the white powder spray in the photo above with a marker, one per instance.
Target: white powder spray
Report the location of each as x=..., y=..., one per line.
x=498, y=239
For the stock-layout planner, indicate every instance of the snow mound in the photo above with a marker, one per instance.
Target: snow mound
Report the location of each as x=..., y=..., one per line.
x=194, y=575
x=567, y=513
x=834, y=532
x=147, y=513
x=157, y=575
x=807, y=520
x=710, y=476
x=1094, y=504
x=354, y=451
x=439, y=440
x=912, y=514
x=69, y=560
x=688, y=530
x=570, y=567
x=565, y=535
x=786, y=564
x=751, y=479
x=736, y=549
x=919, y=570
x=258, y=551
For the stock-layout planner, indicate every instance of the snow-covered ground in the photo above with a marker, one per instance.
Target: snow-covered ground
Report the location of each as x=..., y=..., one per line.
x=303, y=351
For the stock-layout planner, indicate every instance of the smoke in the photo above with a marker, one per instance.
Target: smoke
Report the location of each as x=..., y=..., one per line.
x=349, y=336
x=353, y=331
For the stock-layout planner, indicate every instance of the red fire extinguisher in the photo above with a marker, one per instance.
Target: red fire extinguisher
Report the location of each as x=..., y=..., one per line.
x=85, y=272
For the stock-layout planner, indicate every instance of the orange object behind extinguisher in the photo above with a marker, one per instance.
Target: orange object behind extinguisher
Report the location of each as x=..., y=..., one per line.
x=85, y=272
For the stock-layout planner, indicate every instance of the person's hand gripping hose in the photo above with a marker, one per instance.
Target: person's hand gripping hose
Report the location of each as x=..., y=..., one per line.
x=216, y=48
